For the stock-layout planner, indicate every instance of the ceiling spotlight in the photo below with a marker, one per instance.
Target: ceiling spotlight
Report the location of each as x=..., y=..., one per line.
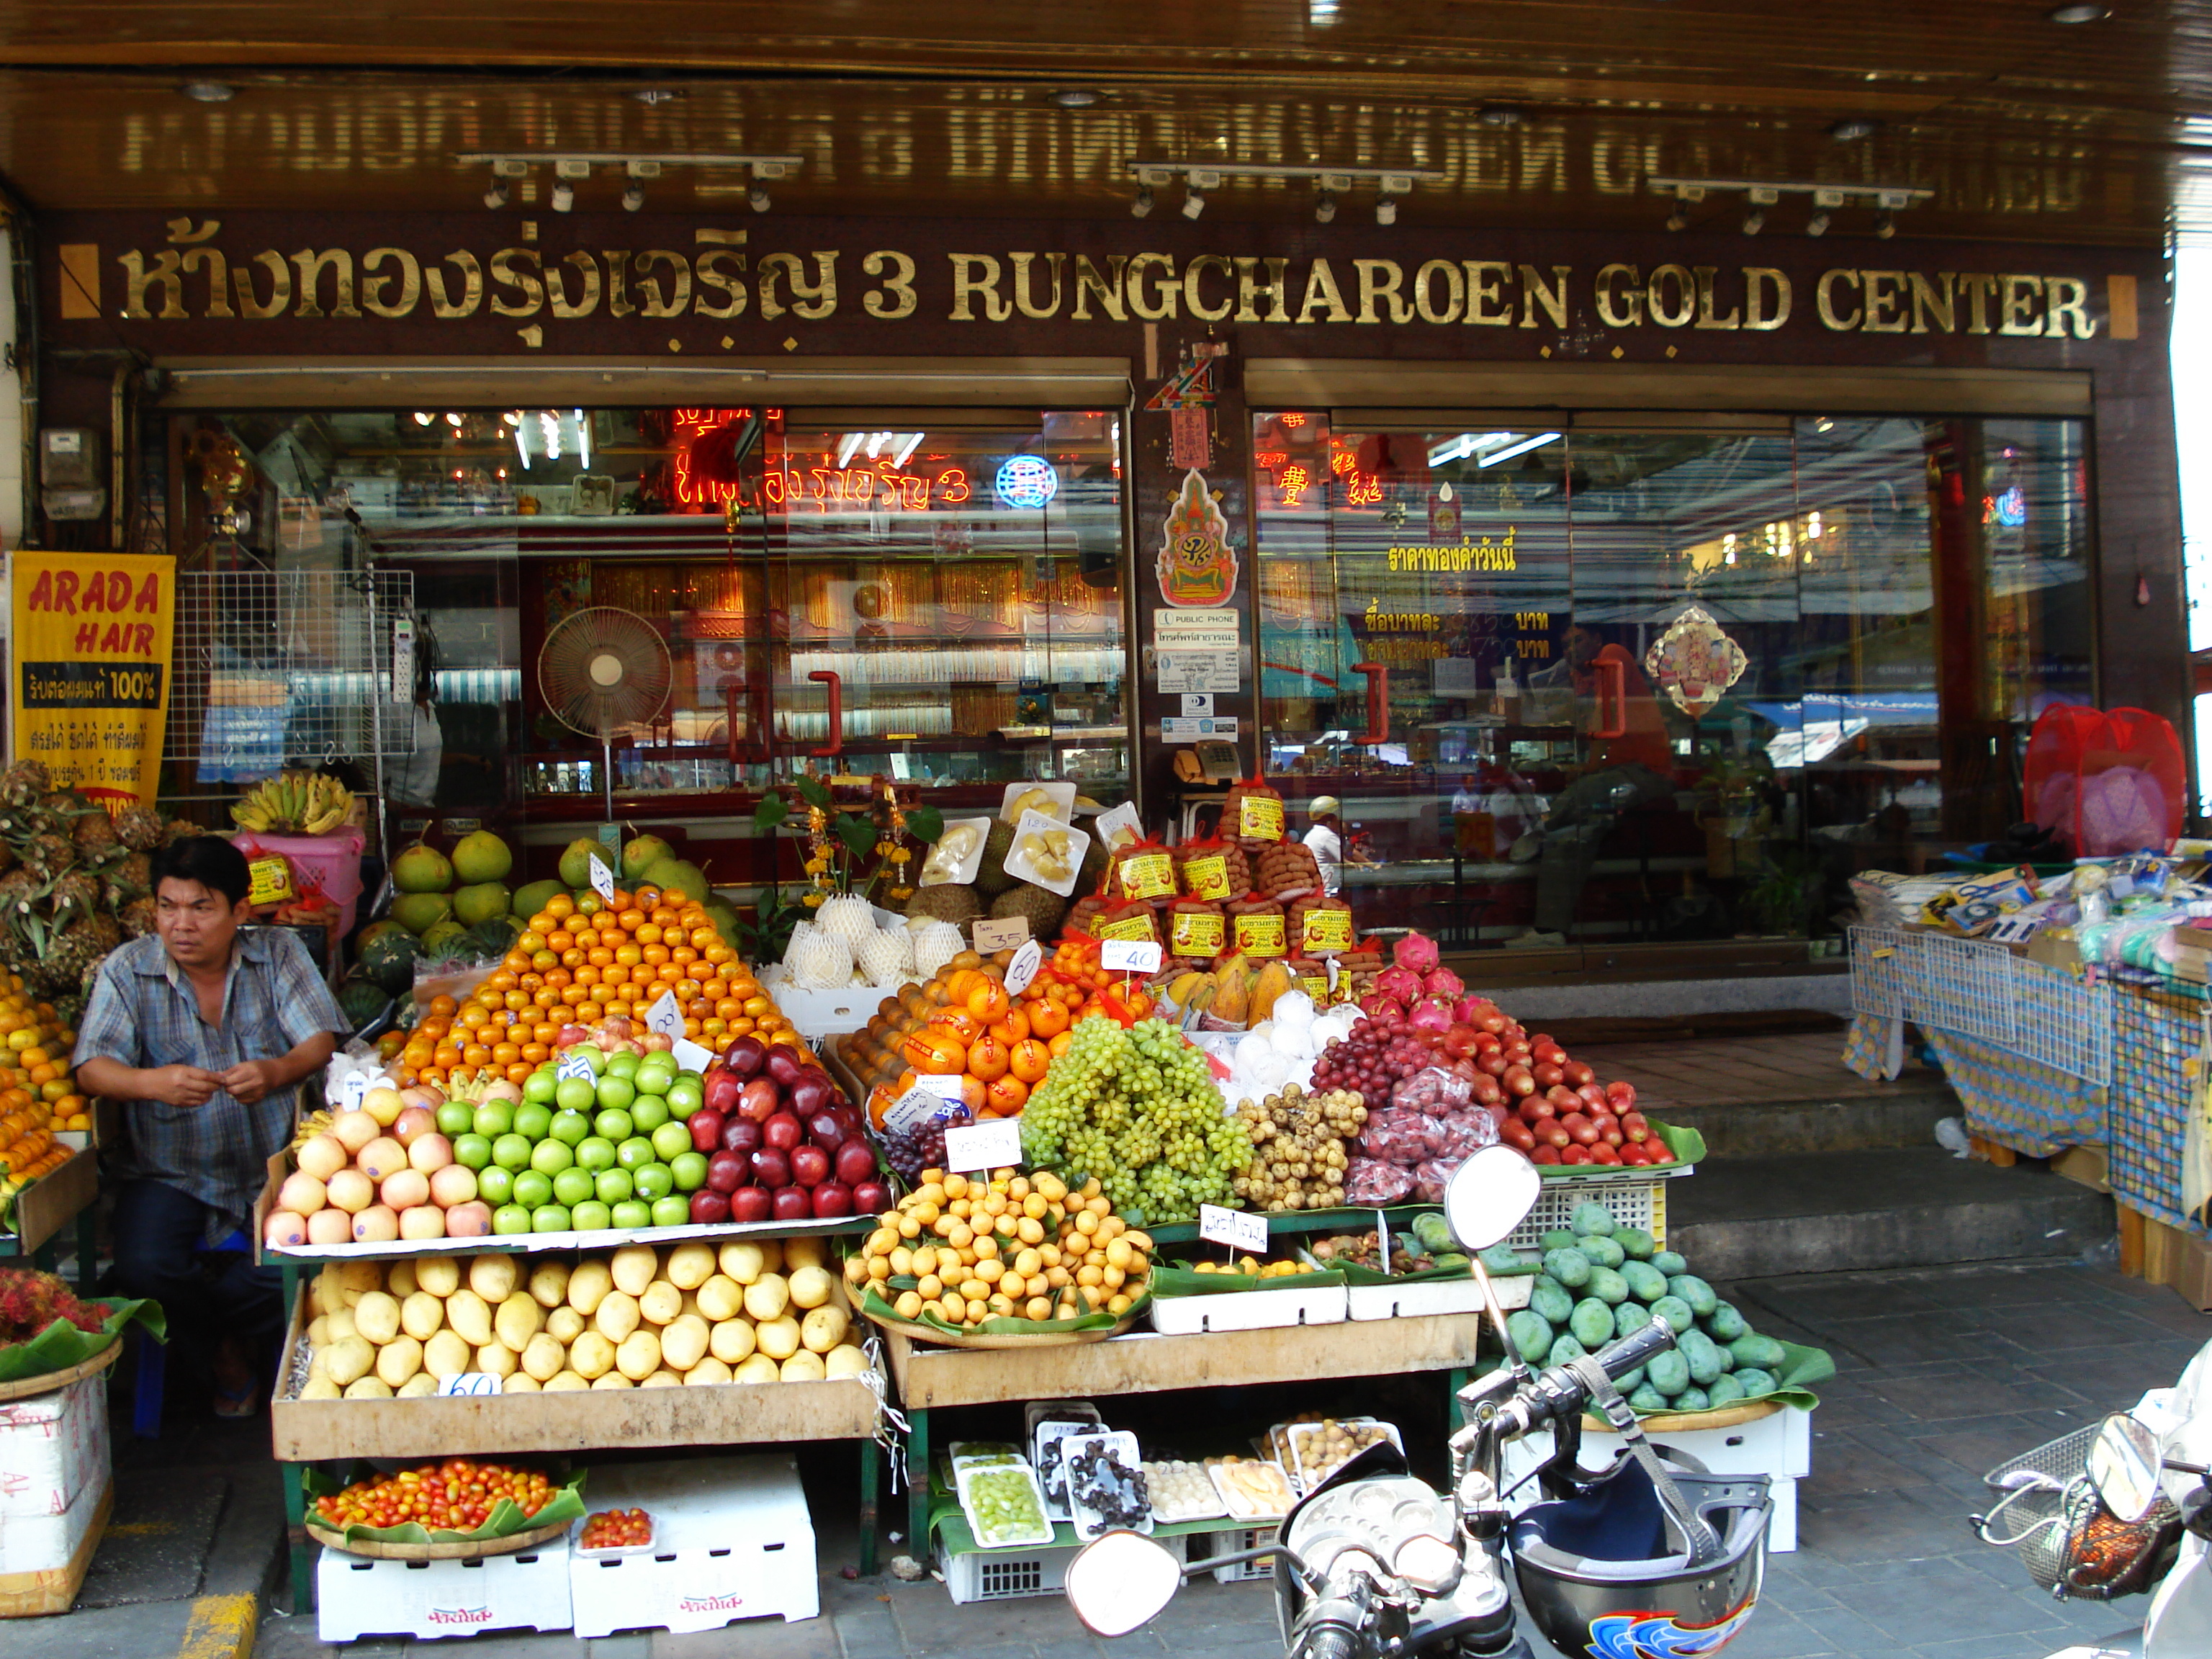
x=1075, y=98
x=1679, y=219
x=1325, y=208
x=633, y=196
x=1194, y=201
x=564, y=196
x=1755, y=222
x=1386, y=210
x=1498, y=115
x=1140, y=206
x=208, y=92
x=1851, y=132
x=756, y=199
x=423, y=417
x=1817, y=225
x=1884, y=224
x=2079, y=14
x=495, y=197
x=655, y=96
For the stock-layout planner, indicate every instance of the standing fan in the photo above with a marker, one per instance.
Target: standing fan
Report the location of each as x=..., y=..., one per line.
x=600, y=671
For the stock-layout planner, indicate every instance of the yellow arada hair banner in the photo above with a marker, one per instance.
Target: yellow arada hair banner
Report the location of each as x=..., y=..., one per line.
x=95, y=635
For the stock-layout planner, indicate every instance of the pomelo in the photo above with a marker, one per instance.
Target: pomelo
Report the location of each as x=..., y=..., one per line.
x=482, y=857
x=640, y=853
x=419, y=912
x=421, y=869
x=529, y=901
x=439, y=935
x=576, y=861
x=479, y=902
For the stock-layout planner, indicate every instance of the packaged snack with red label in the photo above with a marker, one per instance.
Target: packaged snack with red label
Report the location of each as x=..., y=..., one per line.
x=1131, y=919
x=1141, y=870
x=1286, y=870
x=1216, y=870
x=1253, y=813
x=1320, y=926
x=1257, y=928
x=1196, y=928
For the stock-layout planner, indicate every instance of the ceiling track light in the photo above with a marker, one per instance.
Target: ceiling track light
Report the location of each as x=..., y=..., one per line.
x=1194, y=201
x=1679, y=219
x=1386, y=210
x=1817, y=225
x=209, y=92
x=1201, y=177
x=1850, y=130
x=1325, y=208
x=756, y=199
x=653, y=97
x=495, y=196
x=633, y=196
x=1075, y=97
x=1755, y=222
x=1140, y=205
x=564, y=196
x=1884, y=224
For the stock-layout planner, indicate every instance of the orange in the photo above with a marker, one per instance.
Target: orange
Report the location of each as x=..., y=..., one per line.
x=540, y=961
x=588, y=1012
x=476, y=1054
x=443, y=1005
x=544, y=1031
x=655, y=954
x=447, y=1054
x=1006, y=1095
x=519, y=1072
x=544, y=996
x=742, y=1027
x=631, y=920
x=515, y=960
x=599, y=956
x=648, y=932
x=1060, y=1044
x=715, y=1028
x=1048, y=1019
x=543, y=922
x=559, y=939
x=1028, y=1059
x=647, y=898
x=529, y=941
x=561, y=904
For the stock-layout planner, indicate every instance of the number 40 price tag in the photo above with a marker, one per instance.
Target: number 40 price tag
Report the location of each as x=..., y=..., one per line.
x=1240, y=1230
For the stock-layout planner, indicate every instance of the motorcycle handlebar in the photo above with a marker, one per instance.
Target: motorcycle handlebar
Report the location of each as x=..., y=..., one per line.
x=1646, y=1342
x=1332, y=1642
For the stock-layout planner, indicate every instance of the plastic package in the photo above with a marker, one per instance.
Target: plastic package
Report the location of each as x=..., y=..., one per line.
x=1253, y=813
x=1216, y=870
x=1286, y=870
x=1432, y=1089
x=1371, y=1182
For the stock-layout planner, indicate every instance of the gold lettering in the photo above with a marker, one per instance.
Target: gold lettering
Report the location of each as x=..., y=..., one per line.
x=374, y=289
x=722, y=271
x=897, y=298
x=811, y=301
x=1617, y=309
x=1025, y=299
x=311, y=266
x=1373, y=286
x=1190, y=297
x=1485, y=292
x=1979, y=288
x=1454, y=292
x=1105, y=287
x=1686, y=292
x=1553, y=299
x=1248, y=291
x=166, y=275
x=280, y=287
x=507, y=271
x=1929, y=301
x=471, y=273
x=619, y=304
x=2073, y=304
x=675, y=299
x=1161, y=307
x=218, y=274
x=1824, y=302
x=1322, y=292
x=1885, y=300
x=1757, y=279
x=972, y=274
x=588, y=277
x=2021, y=295
x=1707, y=312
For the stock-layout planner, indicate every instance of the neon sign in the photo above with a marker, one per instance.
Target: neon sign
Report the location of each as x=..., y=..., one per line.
x=1026, y=482
x=795, y=486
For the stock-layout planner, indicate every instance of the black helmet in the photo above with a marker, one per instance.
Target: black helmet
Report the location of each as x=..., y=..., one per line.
x=1605, y=1572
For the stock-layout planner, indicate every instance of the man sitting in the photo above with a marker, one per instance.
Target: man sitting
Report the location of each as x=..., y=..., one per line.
x=203, y=1033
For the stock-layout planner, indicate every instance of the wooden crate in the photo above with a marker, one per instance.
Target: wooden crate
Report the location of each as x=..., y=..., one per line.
x=52, y=1201
x=2179, y=1259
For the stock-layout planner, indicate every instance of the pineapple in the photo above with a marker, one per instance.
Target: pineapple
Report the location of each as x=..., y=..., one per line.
x=129, y=878
x=75, y=951
x=46, y=855
x=94, y=835
x=24, y=782
x=75, y=896
x=66, y=803
x=18, y=889
x=139, y=827
x=176, y=829
x=137, y=917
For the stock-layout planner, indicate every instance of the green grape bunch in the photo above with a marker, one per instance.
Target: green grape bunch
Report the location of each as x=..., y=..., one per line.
x=1138, y=1109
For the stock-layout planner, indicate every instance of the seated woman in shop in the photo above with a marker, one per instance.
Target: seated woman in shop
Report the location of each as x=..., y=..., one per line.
x=1631, y=767
x=205, y=1033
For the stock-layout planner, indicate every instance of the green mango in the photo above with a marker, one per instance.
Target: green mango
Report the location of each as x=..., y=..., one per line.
x=1566, y=1348
x=1675, y=1311
x=1550, y=1300
x=1531, y=1333
x=1557, y=1239
x=1723, y=1391
x=1500, y=1259
x=1449, y=1259
x=1592, y=1322
x=1635, y=1241
x=1754, y=1382
x=1603, y=1252
x=1695, y=1291
x=1630, y=1317
x=1669, y=1373
x=1647, y=1400
x=1608, y=1286
x=1667, y=1262
x=1571, y=1268
x=1433, y=1231
x=1703, y=1357
x=1692, y=1399
x=1763, y=1352
x=1725, y=1323
x=1593, y=1221
x=1645, y=1282
x=1630, y=1382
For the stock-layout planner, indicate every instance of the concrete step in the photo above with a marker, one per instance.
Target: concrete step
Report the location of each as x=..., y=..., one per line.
x=1836, y=1212
x=1819, y=1122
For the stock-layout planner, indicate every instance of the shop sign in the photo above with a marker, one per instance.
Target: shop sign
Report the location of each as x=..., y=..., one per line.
x=94, y=638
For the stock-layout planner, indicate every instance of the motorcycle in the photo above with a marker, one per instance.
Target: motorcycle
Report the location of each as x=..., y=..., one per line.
x=1653, y=1558
x=2120, y=1508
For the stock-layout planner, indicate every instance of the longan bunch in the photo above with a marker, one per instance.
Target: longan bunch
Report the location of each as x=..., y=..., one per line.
x=1298, y=1159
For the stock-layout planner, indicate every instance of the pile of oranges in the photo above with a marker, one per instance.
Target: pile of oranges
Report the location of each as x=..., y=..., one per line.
x=38, y=1096
x=578, y=960
x=1072, y=985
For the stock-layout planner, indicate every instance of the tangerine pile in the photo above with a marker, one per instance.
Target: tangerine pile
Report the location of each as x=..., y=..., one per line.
x=581, y=959
x=38, y=1096
x=1076, y=986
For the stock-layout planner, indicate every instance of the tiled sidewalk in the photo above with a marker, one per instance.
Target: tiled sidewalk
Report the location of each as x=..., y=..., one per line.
x=1745, y=1071
x=1941, y=1374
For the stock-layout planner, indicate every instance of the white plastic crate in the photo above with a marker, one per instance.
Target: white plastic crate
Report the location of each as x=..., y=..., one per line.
x=1206, y=1545
x=1249, y=1311
x=1635, y=1199
x=1010, y=1575
x=819, y=1014
x=1423, y=1297
x=733, y=1540
x=355, y=1597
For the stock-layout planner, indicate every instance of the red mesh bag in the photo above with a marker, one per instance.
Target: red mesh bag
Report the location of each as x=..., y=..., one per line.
x=2105, y=782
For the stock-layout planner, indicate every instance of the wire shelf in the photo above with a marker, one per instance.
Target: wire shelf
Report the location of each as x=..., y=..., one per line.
x=289, y=667
x=1977, y=989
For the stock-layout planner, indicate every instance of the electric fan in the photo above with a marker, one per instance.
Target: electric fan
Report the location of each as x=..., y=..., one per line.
x=601, y=670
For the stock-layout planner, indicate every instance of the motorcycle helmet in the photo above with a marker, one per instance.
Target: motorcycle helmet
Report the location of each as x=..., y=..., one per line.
x=1600, y=1574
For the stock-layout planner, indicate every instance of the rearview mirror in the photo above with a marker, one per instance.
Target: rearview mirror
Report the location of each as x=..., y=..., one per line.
x=1489, y=1195
x=2123, y=1468
x=1121, y=1581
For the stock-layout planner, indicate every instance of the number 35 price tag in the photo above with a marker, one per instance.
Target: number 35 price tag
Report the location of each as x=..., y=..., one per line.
x=1239, y=1230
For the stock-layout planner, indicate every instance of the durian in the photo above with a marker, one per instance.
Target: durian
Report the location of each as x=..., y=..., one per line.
x=951, y=851
x=947, y=901
x=991, y=877
x=1044, y=910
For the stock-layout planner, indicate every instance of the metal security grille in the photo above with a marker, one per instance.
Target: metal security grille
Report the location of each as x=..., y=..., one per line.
x=289, y=667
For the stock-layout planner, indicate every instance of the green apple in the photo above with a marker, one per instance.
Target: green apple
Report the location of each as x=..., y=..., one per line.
x=551, y=1219
x=669, y=1139
x=573, y=1187
x=634, y=1154
x=511, y=1152
x=653, y=1181
x=615, y=1125
x=569, y=1126
x=495, y=1184
x=595, y=1153
x=649, y=1113
x=592, y=1054
x=455, y=1119
x=510, y=1219
x=493, y=1119
x=613, y=1186
x=591, y=1217
x=685, y=1096
x=672, y=1211
x=688, y=1170
x=551, y=1156
x=532, y=1119
x=533, y=1187
x=576, y=1094
x=654, y=1075
x=537, y=1088
x=471, y=1148
x=623, y=1064
x=635, y=1213
x=614, y=1093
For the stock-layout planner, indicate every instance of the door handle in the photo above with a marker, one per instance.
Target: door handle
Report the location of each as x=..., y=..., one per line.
x=1612, y=691
x=830, y=678
x=1378, y=700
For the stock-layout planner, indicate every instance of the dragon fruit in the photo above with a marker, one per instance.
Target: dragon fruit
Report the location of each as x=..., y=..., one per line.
x=1430, y=1014
x=1443, y=982
x=1377, y=1005
x=1402, y=984
x=1416, y=952
x=1474, y=1008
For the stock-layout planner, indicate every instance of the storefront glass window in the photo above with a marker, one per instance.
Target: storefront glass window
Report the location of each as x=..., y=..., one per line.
x=1590, y=685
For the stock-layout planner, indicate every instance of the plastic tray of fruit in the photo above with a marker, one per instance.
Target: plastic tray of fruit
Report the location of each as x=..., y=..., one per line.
x=1317, y=1451
x=606, y=1534
x=1252, y=1488
x=1004, y=1506
x=1106, y=1483
x=1181, y=1491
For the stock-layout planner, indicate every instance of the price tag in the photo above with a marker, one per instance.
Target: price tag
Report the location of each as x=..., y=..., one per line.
x=574, y=1065
x=1130, y=956
x=910, y=1111
x=993, y=1145
x=353, y=1091
x=602, y=879
x=691, y=1056
x=664, y=1017
x=991, y=937
x=944, y=1086
x=1240, y=1230
x=1024, y=968
x=468, y=1382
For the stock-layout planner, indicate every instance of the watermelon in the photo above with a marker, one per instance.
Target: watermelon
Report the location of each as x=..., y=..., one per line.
x=388, y=961
x=361, y=998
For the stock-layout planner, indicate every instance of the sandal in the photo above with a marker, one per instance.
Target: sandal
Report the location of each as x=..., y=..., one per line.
x=242, y=1401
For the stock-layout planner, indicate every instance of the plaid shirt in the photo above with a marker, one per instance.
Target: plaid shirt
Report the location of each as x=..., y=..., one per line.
x=143, y=1014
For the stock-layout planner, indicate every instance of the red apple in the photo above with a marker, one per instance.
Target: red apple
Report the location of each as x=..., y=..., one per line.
x=759, y=1099
x=854, y=1164
x=791, y=1204
x=706, y=1126
x=723, y=1089
x=782, y=1131
x=771, y=1168
x=824, y=1129
x=740, y=1134
x=744, y=1057
x=783, y=1065
x=871, y=1198
x=708, y=1208
x=809, y=1165
x=750, y=1204
x=832, y=1199
x=810, y=1093
x=726, y=1170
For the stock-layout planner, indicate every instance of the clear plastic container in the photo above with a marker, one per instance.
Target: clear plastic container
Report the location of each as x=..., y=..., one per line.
x=1079, y=1450
x=1010, y=1488
x=609, y=1552
x=1162, y=1479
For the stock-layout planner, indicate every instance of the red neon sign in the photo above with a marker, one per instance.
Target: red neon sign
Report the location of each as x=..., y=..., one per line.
x=796, y=486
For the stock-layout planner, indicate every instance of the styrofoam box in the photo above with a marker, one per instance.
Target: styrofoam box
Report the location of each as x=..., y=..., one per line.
x=817, y=1014
x=1008, y=1575
x=1778, y=1445
x=44, y=1543
x=1249, y=1311
x=735, y=1543
x=1436, y=1296
x=53, y=1447
x=355, y=1597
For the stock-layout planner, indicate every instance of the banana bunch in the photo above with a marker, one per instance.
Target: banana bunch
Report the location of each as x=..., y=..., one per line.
x=311, y=1126
x=295, y=804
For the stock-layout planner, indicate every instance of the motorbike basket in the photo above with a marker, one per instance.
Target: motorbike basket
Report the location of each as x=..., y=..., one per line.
x=2070, y=1543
